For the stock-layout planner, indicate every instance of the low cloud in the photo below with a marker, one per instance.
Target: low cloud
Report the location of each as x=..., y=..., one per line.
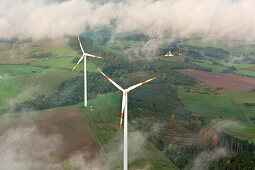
x=203, y=160
x=25, y=148
x=146, y=49
x=136, y=149
x=230, y=19
x=44, y=19
x=221, y=125
x=82, y=162
x=220, y=19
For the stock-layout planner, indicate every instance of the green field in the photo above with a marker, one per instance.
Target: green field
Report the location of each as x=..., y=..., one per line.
x=227, y=108
x=21, y=53
x=19, y=83
x=104, y=99
x=64, y=52
x=211, y=104
x=245, y=72
x=208, y=64
x=66, y=63
x=16, y=71
x=171, y=59
x=32, y=78
x=243, y=68
x=11, y=94
x=239, y=65
x=119, y=46
x=43, y=83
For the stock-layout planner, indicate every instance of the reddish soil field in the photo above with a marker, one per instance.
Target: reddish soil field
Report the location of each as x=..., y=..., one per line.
x=226, y=81
x=69, y=123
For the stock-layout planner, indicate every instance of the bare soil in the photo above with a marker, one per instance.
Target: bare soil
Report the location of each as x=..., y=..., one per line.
x=226, y=81
x=68, y=123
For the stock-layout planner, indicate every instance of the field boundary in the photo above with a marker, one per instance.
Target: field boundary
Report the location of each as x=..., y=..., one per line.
x=99, y=143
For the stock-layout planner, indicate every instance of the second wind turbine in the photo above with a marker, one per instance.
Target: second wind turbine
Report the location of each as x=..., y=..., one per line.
x=124, y=110
x=84, y=55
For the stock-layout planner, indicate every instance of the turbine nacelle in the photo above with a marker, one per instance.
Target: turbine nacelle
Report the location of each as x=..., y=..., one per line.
x=84, y=55
x=125, y=91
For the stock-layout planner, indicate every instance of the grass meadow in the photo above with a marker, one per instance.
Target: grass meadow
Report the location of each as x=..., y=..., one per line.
x=66, y=63
x=228, y=106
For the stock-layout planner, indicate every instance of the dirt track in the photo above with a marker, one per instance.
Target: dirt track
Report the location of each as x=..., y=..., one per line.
x=226, y=81
x=66, y=122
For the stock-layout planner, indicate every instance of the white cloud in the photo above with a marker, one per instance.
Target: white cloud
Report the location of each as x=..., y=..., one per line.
x=79, y=161
x=203, y=160
x=228, y=19
x=27, y=148
x=40, y=19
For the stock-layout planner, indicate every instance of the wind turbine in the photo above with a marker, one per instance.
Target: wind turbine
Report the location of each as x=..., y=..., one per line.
x=84, y=55
x=125, y=110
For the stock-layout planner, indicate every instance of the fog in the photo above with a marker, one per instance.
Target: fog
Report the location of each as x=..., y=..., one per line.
x=25, y=148
x=203, y=159
x=218, y=19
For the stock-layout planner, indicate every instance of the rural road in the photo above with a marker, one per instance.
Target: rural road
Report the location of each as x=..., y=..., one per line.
x=94, y=132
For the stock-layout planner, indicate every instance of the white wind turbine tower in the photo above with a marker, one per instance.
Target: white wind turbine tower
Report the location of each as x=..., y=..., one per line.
x=84, y=55
x=124, y=106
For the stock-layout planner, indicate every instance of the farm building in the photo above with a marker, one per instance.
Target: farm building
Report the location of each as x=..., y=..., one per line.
x=169, y=54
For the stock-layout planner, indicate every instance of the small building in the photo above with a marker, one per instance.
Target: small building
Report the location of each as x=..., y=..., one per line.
x=169, y=54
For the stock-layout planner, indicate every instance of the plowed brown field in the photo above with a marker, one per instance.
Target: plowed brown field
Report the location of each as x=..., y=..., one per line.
x=226, y=81
x=68, y=123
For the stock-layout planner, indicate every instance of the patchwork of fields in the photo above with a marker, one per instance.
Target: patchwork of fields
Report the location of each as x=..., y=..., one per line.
x=240, y=56
x=231, y=108
x=22, y=82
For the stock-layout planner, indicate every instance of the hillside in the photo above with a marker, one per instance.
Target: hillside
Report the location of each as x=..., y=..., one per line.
x=172, y=119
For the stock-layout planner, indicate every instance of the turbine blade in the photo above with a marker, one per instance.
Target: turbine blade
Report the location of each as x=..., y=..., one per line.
x=80, y=45
x=78, y=62
x=137, y=85
x=122, y=108
x=115, y=84
x=90, y=55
